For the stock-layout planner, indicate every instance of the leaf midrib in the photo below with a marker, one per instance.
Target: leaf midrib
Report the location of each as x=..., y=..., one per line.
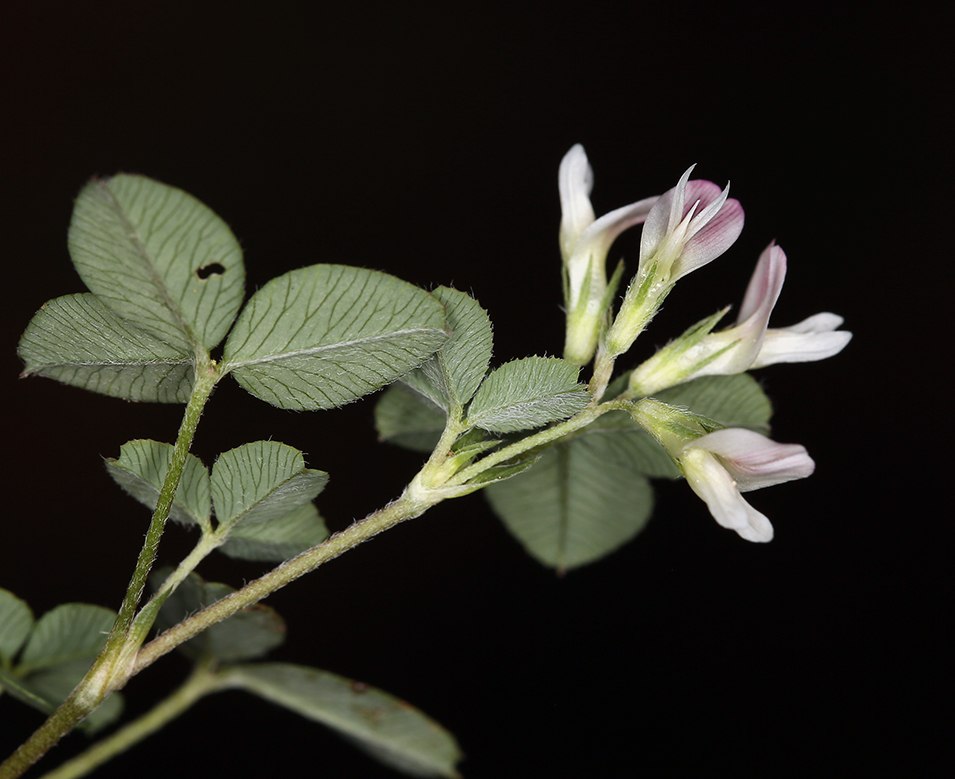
x=140, y=251
x=314, y=351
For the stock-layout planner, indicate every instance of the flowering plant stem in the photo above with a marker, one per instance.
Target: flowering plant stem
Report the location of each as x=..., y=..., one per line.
x=322, y=336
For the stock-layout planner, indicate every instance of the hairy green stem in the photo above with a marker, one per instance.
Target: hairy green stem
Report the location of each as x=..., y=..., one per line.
x=147, y=615
x=398, y=511
x=200, y=683
x=206, y=378
x=409, y=505
x=544, y=437
x=395, y=512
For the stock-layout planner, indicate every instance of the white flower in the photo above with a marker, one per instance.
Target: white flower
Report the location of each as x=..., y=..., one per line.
x=749, y=344
x=720, y=465
x=815, y=338
x=584, y=244
x=688, y=227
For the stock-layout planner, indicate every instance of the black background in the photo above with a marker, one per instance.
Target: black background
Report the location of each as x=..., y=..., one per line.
x=423, y=140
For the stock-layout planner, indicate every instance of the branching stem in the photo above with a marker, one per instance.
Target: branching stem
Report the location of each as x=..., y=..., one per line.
x=112, y=668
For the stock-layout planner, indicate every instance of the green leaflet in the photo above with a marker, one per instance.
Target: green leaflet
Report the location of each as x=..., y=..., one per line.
x=71, y=631
x=322, y=336
x=574, y=506
x=16, y=622
x=387, y=728
x=141, y=469
x=159, y=258
x=75, y=339
x=262, y=494
x=57, y=651
x=262, y=481
x=247, y=634
x=408, y=418
x=527, y=393
x=453, y=374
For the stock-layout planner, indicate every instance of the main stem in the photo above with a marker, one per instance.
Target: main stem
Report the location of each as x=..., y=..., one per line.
x=397, y=511
x=405, y=507
x=205, y=382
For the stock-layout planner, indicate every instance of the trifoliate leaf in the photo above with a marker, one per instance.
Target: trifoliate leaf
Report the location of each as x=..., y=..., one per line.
x=247, y=634
x=453, y=374
x=574, y=506
x=387, y=728
x=262, y=481
x=528, y=393
x=325, y=335
x=159, y=258
x=141, y=470
x=278, y=539
x=409, y=419
x=77, y=340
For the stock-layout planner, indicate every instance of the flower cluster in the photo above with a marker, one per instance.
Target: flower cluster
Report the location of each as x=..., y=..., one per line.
x=684, y=229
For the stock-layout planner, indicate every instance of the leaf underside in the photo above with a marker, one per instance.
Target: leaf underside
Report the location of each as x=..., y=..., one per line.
x=278, y=539
x=325, y=335
x=141, y=470
x=262, y=481
x=574, y=506
x=77, y=340
x=159, y=259
x=527, y=393
x=386, y=727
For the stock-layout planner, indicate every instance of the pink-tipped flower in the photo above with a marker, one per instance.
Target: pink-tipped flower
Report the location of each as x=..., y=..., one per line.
x=721, y=465
x=584, y=244
x=689, y=226
x=749, y=344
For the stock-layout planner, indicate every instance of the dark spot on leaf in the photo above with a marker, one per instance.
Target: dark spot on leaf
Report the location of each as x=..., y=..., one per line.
x=359, y=687
x=212, y=269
